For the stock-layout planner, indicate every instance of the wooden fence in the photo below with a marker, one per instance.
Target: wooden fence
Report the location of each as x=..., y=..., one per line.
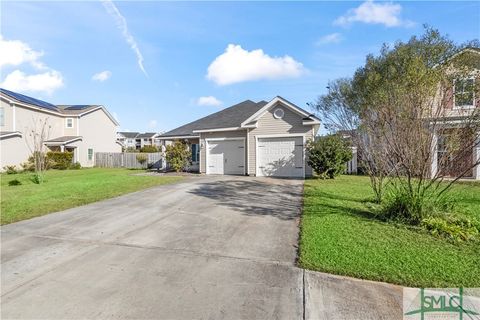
x=128, y=160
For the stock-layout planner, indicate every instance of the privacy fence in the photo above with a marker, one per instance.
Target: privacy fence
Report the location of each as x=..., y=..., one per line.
x=129, y=160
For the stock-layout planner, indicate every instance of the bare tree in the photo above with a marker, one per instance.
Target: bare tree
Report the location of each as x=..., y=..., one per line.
x=35, y=139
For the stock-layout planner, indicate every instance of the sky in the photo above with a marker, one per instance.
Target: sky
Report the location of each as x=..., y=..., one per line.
x=158, y=65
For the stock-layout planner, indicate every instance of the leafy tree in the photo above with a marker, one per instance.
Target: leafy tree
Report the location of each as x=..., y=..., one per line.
x=178, y=155
x=328, y=155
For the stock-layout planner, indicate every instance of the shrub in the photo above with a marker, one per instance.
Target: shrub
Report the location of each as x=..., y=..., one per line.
x=75, y=166
x=149, y=149
x=28, y=166
x=10, y=169
x=328, y=155
x=142, y=159
x=177, y=155
x=453, y=228
x=37, y=178
x=14, y=182
x=130, y=150
x=59, y=160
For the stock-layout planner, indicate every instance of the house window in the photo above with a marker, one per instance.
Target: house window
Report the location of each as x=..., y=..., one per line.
x=195, y=152
x=90, y=154
x=2, y=116
x=278, y=113
x=464, y=93
x=69, y=123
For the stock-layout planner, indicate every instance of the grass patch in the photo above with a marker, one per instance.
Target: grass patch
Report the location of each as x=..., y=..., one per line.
x=340, y=235
x=67, y=189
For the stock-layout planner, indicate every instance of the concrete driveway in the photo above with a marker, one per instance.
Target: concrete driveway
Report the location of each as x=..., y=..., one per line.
x=205, y=248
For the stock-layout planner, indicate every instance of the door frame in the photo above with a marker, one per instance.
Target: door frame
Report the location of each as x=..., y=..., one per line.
x=293, y=135
x=224, y=139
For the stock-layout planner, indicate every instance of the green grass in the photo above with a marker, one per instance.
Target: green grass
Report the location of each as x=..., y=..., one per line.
x=67, y=189
x=340, y=235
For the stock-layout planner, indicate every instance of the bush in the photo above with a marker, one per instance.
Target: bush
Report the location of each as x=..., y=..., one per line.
x=178, y=155
x=28, y=166
x=75, y=166
x=59, y=160
x=142, y=159
x=130, y=150
x=10, y=169
x=456, y=229
x=149, y=149
x=37, y=178
x=328, y=155
x=14, y=182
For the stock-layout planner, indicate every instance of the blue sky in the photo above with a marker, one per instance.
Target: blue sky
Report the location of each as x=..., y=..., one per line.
x=158, y=65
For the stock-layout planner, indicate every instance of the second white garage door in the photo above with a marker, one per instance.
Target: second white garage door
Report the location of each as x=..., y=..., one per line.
x=226, y=156
x=280, y=157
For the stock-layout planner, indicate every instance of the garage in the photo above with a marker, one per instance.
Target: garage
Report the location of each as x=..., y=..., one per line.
x=280, y=157
x=226, y=156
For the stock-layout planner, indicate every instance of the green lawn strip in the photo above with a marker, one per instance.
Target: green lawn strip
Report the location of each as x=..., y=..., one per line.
x=67, y=189
x=339, y=235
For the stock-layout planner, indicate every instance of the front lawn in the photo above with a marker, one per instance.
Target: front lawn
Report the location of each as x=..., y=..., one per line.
x=340, y=235
x=67, y=189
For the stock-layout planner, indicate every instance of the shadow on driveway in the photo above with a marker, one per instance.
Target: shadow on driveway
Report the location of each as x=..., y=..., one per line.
x=280, y=198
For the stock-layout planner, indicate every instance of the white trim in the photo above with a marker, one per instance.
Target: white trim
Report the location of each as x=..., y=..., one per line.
x=247, y=151
x=467, y=106
x=225, y=139
x=59, y=143
x=11, y=134
x=280, y=136
x=274, y=101
x=310, y=122
x=177, y=137
x=217, y=130
x=66, y=123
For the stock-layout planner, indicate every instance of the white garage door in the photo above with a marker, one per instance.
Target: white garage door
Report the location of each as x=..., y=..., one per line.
x=280, y=157
x=225, y=157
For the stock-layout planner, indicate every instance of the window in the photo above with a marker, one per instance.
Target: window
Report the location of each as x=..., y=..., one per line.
x=90, y=154
x=278, y=113
x=195, y=152
x=69, y=123
x=464, y=93
x=2, y=116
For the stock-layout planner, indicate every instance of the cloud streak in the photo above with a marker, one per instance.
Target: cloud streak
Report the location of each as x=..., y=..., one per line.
x=121, y=22
x=329, y=38
x=102, y=76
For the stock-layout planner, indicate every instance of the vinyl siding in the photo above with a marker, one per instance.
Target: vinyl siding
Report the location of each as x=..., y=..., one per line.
x=213, y=135
x=291, y=123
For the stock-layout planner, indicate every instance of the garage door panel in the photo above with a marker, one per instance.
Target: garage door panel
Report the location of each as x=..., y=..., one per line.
x=226, y=157
x=281, y=157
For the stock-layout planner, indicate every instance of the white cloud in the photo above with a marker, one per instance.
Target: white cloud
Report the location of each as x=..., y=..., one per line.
x=15, y=53
x=43, y=82
x=369, y=12
x=102, y=76
x=122, y=25
x=152, y=124
x=209, y=101
x=239, y=65
x=329, y=38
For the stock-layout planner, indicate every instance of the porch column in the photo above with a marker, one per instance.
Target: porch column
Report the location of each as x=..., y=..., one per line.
x=62, y=148
x=434, y=164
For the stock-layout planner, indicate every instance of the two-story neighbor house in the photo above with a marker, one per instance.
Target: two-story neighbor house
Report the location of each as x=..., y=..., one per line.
x=251, y=138
x=81, y=129
x=128, y=139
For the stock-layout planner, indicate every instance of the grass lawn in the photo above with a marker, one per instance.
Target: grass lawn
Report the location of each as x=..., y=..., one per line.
x=339, y=235
x=67, y=189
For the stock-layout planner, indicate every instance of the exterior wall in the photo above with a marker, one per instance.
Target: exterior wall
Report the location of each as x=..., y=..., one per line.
x=13, y=151
x=291, y=123
x=98, y=133
x=7, y=116
x=213, y=135
x=71, y=131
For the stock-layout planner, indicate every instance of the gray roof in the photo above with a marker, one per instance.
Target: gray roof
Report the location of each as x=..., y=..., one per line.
x=63, y=139
x=76, y=109
x=146, y=135
x=226, y=118
x=129, y=135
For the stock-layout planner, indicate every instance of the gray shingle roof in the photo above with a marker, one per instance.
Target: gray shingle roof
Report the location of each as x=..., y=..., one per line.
x=76, y=109
x=226, y=118
x=129, y=135
x=146, y=135
x=63, y=139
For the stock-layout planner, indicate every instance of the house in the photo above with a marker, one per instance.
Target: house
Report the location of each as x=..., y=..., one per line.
x=147, y=139
x=250, y=138
x=128, y=139
x=81, y=129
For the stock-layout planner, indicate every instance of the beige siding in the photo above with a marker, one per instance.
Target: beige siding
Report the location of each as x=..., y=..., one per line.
x=291, y=123
x=212, y=135
x=71, y=131
x=13, y=151
x=98, y=132
x=7, y=116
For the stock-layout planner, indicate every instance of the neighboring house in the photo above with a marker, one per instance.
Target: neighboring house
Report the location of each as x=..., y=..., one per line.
x=128, y=139
x=147, y=139
x=250, y=138
x=81, y=129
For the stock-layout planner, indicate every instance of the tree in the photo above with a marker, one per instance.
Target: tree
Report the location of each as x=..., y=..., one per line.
x=178, y=155
x=398, y=106
x=35, y=140
x=328, y=155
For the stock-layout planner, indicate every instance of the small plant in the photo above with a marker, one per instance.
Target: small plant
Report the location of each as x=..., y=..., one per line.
x=37, y=178
x=178, y=155
x=75, y=166
x=14, y=182
x=328, y=155
x=142, y=159
x=10, y=169
x=130, y=150
x=455, y=229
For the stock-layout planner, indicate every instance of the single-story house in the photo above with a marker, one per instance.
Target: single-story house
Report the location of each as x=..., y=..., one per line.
x=250, y=138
